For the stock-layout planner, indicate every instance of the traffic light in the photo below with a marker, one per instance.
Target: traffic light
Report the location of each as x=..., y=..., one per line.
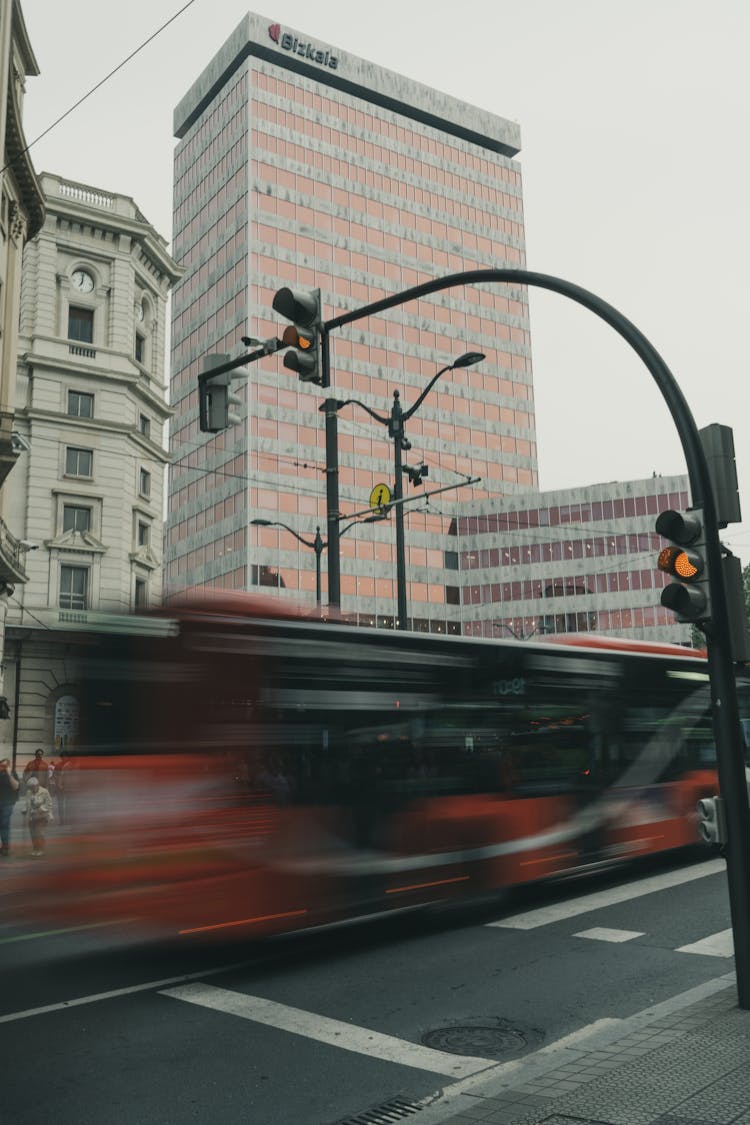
x=301, y=338
x=215, y=397
x=685, y=559
x=712, y=823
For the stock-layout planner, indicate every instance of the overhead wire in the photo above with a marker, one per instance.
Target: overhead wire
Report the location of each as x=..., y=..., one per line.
x=101, y=82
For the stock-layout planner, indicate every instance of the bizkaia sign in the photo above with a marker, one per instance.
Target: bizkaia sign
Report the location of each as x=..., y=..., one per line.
x=307, y=50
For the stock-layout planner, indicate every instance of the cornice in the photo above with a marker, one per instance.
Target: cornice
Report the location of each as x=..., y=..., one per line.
x=143, y=235
x=18, y=162
x=97, y=425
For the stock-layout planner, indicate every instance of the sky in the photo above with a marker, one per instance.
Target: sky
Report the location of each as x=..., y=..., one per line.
x=636, y=168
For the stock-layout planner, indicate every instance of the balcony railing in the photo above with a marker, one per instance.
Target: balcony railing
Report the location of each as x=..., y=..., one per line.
x=12, y=557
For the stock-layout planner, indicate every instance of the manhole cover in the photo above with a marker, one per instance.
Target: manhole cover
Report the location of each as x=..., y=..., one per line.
x=491, y=1038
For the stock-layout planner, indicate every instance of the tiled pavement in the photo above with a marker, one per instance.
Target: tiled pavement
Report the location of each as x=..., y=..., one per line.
x=684, y=1062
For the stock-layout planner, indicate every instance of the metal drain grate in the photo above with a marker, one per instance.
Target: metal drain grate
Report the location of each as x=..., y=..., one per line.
x=394, y=1110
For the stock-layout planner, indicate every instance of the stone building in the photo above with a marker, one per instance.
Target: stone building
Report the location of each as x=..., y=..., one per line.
x=21, y=216
x=88, y=496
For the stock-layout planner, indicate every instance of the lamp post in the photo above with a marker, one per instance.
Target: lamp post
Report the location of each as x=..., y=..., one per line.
x=318, y=544
x=395, y=422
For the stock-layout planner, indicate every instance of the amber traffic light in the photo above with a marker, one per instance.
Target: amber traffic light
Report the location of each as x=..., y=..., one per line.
x=685, y=561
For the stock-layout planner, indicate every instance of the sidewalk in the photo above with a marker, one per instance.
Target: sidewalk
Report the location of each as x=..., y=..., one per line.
x=683, y=1062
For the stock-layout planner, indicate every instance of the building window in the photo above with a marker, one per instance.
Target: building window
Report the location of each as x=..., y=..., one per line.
x=80, y=405
x=81, y=324
x=144, y=425
x=144, y=485
x=140, y=593
x=76, y=518
x=139, y=347
x=144, y=534
x=73, y=587
x=79, y=462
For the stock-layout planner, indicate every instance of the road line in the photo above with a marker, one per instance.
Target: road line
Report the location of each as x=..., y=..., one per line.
x=715, y=945
x=336, y=1033
x=149, y=986
x=602, y=933
x=559, y=911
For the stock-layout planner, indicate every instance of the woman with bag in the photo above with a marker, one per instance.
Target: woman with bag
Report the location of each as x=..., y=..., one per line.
x=39, y=813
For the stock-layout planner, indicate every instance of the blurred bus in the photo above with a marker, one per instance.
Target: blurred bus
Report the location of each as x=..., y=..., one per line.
x=242, y=770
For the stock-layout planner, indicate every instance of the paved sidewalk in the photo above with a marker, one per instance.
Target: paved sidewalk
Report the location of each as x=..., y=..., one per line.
x=683, y=1062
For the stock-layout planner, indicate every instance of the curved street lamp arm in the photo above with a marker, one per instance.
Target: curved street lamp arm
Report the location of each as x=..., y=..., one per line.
x=355, y=402
x=306, y=542
x=412, y=409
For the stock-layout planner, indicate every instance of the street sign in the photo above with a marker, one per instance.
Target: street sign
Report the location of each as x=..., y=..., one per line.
x=380, y=496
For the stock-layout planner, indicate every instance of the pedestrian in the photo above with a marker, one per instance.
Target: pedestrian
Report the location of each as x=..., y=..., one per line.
x=9, y=786
x=39, y=814
x=38, y=767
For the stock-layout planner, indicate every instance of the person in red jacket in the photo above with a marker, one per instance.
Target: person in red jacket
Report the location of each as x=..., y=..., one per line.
x=38, y=767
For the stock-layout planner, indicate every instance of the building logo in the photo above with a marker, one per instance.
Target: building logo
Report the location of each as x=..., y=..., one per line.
x=307, y=50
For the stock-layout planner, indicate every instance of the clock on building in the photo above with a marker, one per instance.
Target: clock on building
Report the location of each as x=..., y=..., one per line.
x=83, y=281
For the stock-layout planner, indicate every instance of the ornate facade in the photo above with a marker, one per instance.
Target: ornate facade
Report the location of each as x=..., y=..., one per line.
x=91, y=410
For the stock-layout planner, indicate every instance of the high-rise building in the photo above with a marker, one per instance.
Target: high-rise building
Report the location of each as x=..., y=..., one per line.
x=88, y=494
x=300, y=165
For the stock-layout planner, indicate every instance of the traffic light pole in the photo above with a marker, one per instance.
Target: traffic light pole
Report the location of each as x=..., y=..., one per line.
x=725, y=711
x=333, y=515
x=396, y=430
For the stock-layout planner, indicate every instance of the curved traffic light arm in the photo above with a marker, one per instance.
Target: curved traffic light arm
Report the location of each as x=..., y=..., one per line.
x=725, y=710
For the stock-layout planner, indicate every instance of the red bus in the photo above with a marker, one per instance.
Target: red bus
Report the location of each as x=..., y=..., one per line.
x=242, y=770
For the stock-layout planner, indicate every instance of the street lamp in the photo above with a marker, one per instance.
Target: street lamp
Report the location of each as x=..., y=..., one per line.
x=395, y=423
x=318, y=544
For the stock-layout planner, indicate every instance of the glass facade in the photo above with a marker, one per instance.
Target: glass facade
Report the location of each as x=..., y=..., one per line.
x=284, y=179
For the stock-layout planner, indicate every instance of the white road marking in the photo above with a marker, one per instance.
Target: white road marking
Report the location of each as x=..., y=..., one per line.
x=336, y=1033
x=559, y=911
x=602, y=933
x=715, y=945
x=96, y=997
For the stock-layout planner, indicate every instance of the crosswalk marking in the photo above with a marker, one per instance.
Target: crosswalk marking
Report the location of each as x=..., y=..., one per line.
x=336, y=1033
x=602, y=933
x=570, y=908
x=715, y=945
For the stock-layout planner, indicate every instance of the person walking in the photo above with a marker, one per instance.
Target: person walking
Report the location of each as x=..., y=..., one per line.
x=39, y=814
x=9, y=786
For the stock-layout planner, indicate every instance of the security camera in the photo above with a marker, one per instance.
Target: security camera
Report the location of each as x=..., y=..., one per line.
x=28, y=545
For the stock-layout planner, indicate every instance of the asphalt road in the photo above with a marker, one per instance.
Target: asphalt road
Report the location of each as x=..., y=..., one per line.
x=315, y=1031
